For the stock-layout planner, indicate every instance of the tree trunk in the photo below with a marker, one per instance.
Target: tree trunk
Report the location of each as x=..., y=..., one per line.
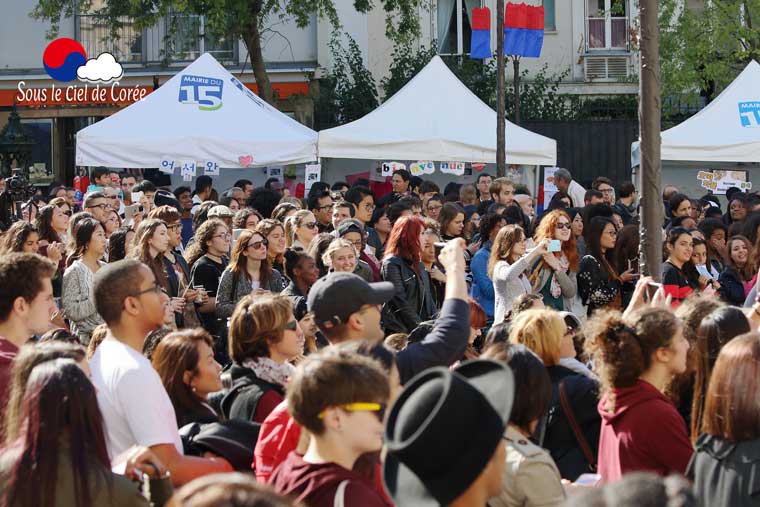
x=252, y=39
x=649, y=121
x=516, y=84
x=501, y=153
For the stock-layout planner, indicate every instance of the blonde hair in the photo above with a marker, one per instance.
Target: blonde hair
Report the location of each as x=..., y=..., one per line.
x=541, y=331
x=334, y=246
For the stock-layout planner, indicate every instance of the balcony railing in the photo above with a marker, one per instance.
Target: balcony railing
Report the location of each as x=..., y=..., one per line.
x=177, y=38
x=607, y=33
x=125, y=43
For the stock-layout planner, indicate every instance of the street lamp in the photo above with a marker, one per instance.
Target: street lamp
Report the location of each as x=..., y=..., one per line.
x=15, y=145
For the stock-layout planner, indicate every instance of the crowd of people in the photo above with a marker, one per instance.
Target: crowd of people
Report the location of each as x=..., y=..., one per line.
x=420, y=347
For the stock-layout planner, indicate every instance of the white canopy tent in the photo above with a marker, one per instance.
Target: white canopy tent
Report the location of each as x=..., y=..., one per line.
x=434, y=117
x=203, y=113
x=723, y=135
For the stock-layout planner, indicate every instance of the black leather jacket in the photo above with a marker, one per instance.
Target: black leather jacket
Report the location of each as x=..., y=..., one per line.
x=413, y=301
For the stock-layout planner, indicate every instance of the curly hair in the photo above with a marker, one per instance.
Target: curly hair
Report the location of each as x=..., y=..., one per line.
x=622, y=349
x=256, y=323
x=14, y=238
x=203, y=235
x=546, y=230
x=241, y=217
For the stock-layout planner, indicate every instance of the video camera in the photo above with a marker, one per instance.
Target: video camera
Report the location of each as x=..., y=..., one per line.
x=17, y=190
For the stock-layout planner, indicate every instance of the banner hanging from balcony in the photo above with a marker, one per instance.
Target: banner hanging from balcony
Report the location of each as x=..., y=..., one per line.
x=524, y=29
x=481, y=33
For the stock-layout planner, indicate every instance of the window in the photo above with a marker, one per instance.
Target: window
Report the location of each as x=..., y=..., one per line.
x=190, y=39
x=606, y=24
x=550, y=19
x=124, y=43
x=454, y=29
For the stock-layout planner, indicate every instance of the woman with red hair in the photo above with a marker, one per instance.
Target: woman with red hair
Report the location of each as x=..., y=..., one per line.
x=413, y=301
x=554, y=275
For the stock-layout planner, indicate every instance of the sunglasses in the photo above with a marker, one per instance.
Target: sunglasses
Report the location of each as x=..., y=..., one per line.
x=258, y=244
x=309, y=225
x=563, y=225
x=377, y=408
x=291, y=326
x=67, y=213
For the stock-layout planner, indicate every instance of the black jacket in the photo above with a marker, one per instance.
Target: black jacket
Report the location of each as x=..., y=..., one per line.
x=412, y=302
x=560, y=441
x=726, y=473
x=241, y=400
x=173, y=280
x=731, y=287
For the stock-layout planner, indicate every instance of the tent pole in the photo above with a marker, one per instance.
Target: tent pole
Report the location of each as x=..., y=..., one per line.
x=501, y=158
x=649, y=121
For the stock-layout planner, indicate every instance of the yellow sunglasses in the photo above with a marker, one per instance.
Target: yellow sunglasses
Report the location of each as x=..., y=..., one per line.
x=378, y=408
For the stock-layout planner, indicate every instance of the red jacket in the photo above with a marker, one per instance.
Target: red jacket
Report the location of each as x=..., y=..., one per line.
x=278, y=436
x=645, y=432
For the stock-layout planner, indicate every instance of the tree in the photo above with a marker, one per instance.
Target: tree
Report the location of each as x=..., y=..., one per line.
x=704, y=49
x=348, y=91
x=245, y=19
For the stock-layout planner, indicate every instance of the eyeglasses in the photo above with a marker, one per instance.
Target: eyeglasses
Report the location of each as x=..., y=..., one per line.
x=608, y=190
x=434, y=208
x=612, y=233
x=156, y=289
x=291, y=326
x=326, y=206
x=173, y=227
x=102, y=205
x=369, y=207
x=257, y=244
x=309, y=225
x=226, y=235
x=563, y=225
x=357, y=244
x=377, y=408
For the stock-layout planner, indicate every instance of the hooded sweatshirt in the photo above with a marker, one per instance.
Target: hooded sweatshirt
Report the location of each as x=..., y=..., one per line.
x=643, y=433
x=323, y=484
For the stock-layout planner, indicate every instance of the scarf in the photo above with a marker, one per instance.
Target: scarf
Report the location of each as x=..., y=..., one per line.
x=556, y=289
x=268, y=370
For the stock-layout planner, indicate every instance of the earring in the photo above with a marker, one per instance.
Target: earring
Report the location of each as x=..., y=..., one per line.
x=195, y=390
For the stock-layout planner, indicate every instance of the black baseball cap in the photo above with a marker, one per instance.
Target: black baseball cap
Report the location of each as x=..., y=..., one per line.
x=333, y=298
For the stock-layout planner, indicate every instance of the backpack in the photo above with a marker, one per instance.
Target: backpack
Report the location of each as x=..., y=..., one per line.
x=241, y=400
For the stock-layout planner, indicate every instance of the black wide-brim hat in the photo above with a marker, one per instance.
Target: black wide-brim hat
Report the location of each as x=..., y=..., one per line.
x=443, y=430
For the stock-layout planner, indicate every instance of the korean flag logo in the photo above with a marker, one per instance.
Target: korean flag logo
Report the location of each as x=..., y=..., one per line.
x=749, y=112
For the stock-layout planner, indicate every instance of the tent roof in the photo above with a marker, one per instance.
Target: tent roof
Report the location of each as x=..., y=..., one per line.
x=434, y=117
x=718, y=132
x=159, y=126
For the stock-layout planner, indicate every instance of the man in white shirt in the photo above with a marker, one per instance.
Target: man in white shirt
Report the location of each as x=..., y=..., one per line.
x=565, y=183
x=135, y=406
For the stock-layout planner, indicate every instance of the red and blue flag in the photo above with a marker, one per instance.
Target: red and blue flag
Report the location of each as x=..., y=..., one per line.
x=480, y=45
x=524, y=29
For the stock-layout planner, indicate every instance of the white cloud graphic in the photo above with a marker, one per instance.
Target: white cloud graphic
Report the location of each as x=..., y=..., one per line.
x=103, y=68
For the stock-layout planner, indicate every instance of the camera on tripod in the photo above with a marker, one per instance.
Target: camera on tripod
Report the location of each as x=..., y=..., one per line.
x=17, y=190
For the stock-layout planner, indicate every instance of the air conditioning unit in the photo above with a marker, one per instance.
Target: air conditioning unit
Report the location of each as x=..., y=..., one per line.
x=606, y=68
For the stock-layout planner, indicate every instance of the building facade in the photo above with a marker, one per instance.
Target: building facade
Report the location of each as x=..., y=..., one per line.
x=594, y=39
